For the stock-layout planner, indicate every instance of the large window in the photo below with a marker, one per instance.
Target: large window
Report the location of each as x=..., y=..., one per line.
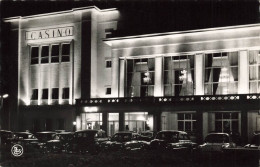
x=34, y=94
x=254, y=71
x=227, y=121
x=52, y=53
x=34, y=55
x=187, y=122
x=91, y=121
x=136, y=121
x=65, y=93
x=221, y=73
x=179, y=75
x=140, y=77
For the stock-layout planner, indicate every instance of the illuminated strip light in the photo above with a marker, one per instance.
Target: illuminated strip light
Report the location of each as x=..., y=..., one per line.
x=90, y=109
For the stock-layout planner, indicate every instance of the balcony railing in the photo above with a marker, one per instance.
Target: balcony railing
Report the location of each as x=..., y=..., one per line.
x=180, y=99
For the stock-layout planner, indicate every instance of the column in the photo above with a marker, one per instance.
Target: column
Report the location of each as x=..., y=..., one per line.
x=158, y=79
x=115, y=76
x=199, y=79
x=243, y=72
x=157, y=121
x=199, y=132
x=122, y=78
x=121, y=121
x=244, y=126
x=104, y=121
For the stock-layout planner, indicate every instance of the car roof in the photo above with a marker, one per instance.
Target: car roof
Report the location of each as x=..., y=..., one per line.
x=172, y=131
x=46, y=132
x=219, y=133
x=5, y=131
x=87, y=130
x=28, y=133
x=64, y=133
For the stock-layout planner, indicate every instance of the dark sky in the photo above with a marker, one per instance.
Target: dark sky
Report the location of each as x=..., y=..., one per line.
x=140, y=17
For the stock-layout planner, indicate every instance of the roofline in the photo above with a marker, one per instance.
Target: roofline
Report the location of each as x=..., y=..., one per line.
x=9, y=19
x=178, y=32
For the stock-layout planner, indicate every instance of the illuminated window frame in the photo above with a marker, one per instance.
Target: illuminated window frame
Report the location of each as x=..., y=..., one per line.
x=187, y=119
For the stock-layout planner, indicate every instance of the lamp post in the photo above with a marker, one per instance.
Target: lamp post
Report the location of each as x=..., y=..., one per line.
x=4, y=96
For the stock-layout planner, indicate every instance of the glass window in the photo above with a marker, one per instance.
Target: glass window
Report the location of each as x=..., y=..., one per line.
x=44, y=93
x=65, y=53
x=187, y=122
x=34, y=94
x=136, y=121
x=55, y=93
x=226, y=122
x=108, y=63
x=254, y=71
x=55, y=53
x=45, y=54
x=140, y=77
x=179, y=75
x=34, y=55
x=108, y=91
x=221, y=73
x=65, y=93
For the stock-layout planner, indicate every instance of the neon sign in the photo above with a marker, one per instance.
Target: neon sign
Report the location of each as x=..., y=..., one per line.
x=49, y=33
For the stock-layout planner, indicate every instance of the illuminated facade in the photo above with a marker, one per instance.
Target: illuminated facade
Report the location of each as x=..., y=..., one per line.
x=69, y=70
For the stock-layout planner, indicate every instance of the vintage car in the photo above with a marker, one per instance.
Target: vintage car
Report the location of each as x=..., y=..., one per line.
x=124, y=141
x=83, y=141
x=255, y=142
x=148, y=135
x=216, y=142
x=172, y=140
x=43, y=138
x=59, y=142
x=24, y=137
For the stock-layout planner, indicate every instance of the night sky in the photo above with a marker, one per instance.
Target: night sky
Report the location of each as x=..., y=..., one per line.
x=140, y=17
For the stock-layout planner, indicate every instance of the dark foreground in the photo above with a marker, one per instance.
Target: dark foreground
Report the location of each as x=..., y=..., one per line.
x=134, y=159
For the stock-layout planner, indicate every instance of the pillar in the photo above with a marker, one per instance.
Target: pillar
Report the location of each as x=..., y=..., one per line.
x=199, y=79
x=157, y=121
x=158, y=79
x=122, y=78
x=104, y=121
x=199, y=132
x=244, y=126
x=121, y=121
x=243, y=72
x=115, y=76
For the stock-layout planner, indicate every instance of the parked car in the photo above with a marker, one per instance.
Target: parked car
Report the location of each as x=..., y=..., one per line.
x=124, y=141
x=216, y=142
x=5, y=136
x=43, y=138
x=83, y=141
x=59, y=142
x=148, y=135
x=255, y=142
x=172, y=140
x=25, y=138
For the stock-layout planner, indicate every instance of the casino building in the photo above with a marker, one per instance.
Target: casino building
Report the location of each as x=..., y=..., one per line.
x=73, y=76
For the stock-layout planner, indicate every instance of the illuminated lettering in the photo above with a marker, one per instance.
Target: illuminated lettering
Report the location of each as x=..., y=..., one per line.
x=49, y=33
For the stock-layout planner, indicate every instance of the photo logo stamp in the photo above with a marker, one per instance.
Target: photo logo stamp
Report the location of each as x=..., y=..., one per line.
x=17, y=150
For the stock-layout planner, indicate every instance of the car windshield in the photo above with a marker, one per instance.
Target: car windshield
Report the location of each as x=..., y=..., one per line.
x=169, y=136
x=148, y=134
x=121, y=137
x=45, y=136
x=217, y=138
x=63, y=137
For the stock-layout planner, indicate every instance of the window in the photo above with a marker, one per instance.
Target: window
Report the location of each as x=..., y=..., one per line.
x=44, y=93
x=179, y=75
x=187, y=122
x=140, y=77
x=65, y=93
x=34, y=94
x=55, y=53
x=65, y=57
x=254, y=71
x=34, y=55
x=45, y=54
x=108, y=63
x=108, y=91
x=221, y=73
x=55, y=93
x=226, y=122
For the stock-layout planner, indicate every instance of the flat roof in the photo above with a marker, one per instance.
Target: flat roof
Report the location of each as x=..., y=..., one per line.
x=57, y=13
x=108, y=40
